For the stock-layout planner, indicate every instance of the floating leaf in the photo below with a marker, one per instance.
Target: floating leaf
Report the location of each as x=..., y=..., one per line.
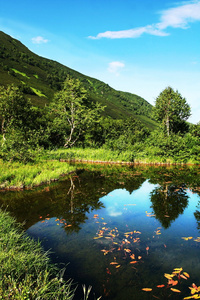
x=182, y=276
x=127, y=250
x=118, y=266
x=147, y=289
x=160, y=286
x=175, y=290
x=113, y=263
x=172, y=282
x=187, y=238
x=132, y=256
x=139, y=257
x=186, y=274
x=197, y=239
x=169, y=276
x=133, y=262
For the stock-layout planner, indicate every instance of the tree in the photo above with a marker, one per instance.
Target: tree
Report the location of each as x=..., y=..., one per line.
x=15, y=109
x=172, y=110
x=72, y=111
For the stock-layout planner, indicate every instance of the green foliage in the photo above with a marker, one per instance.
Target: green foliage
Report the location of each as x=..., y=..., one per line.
x=26, y=271
x=72, y=112
x=120, y=135
x=14, y=109
x=172, y=110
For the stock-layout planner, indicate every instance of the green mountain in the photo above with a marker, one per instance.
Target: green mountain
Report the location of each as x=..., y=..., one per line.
x=39, y=78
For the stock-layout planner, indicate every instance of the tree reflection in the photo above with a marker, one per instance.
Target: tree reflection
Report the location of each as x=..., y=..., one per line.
x=75, y=211
x=168, y=202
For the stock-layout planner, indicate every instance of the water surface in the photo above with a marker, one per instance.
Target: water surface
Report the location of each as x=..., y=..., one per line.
x=119, y=229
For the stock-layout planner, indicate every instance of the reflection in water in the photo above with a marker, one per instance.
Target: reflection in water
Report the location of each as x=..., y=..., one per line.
x=168, y=202
x=121, y=228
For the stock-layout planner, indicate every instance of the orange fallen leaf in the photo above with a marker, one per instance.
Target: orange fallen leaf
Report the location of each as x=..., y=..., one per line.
x=127, y=250
x=118, y=266
x=175, y=290
x=160, y=286
x=133, y=262
x=147, y=289
x=139, y=257
x=114, y=263
x=173, y=282
x=182, y=276
x=132, y=256
x=186, y=274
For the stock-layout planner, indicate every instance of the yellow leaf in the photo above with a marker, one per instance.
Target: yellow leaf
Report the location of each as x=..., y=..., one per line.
x=147, y=289
x=178, y=269
x=169, y=276
x=175, y=290
x=186, y=274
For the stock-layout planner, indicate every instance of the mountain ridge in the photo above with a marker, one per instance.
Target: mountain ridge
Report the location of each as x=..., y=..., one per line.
x=39, y=78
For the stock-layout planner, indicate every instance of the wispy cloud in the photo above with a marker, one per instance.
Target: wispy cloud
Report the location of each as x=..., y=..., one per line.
x=115, y=66
x=39, y=40
x=177, y=17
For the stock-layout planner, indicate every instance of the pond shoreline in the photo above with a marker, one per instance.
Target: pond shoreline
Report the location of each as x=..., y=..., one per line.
x=21, y=187
x=126, y=162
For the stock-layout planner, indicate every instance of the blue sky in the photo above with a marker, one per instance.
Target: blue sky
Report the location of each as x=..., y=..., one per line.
x=135, y=46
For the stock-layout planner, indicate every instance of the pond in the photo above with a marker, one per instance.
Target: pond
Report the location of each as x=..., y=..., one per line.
x=121, y=229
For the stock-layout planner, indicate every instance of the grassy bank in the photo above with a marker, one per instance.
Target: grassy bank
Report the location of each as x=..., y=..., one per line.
x=26, y=272
x=142, y=155
x=49, y=168
x=21, y=175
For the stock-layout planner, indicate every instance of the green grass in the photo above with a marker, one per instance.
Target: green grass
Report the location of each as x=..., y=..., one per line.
x=37, y=92
x=49, y=167
x=88, y=154
x=21, y=73
x=26, y=271
x=28, y=175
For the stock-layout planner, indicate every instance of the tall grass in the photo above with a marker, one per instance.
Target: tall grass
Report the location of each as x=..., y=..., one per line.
x=27, y=175
x=26, y=272
x=90, y=154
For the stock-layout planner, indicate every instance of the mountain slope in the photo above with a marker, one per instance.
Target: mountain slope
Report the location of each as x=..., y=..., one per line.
x=40, y=78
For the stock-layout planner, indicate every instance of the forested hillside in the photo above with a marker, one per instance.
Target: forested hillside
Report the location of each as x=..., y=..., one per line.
x=39, y=78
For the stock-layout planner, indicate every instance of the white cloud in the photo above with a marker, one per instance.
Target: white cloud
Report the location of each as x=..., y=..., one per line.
x=178, y=17
x=39, y=40
x=115, y=66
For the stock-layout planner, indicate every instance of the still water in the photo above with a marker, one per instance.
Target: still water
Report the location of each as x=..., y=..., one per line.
x=119, y=229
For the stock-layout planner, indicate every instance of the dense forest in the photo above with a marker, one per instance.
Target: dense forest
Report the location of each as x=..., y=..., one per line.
x=47, y=106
